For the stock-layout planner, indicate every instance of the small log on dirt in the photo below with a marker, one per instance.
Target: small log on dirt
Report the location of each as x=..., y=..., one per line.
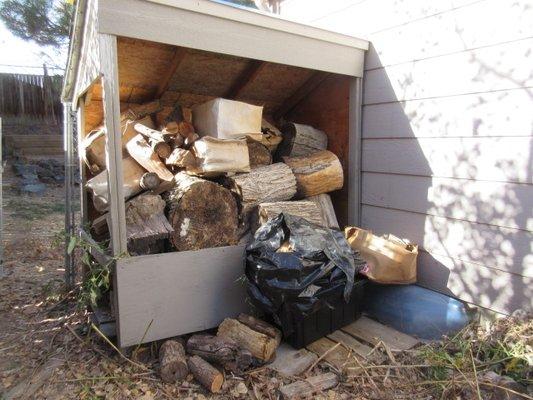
x=203, y=214
x=260, y=326
x=320, y=172
x=156, y=140
x=301, y=140
x=146, y=224
x=258, y=153
x=305, y=209
x=172, y=362
x=220, y=350
x=270, y=183
x=145, y=155
x=181, y=158
x=261, y=345
x=310, y=386
x=149, y=181
x=210, y=377
x=323, y=201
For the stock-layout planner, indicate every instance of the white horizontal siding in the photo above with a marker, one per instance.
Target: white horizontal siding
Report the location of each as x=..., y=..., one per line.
x=490, y=246
x=483, y=70
x=502, y=113
x=493, y=203
x=506, y=159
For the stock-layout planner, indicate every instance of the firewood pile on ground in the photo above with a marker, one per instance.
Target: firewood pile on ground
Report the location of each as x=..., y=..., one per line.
x=209, y=176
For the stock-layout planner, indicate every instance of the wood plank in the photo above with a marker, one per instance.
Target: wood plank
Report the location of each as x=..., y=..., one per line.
x=253, y=69
x=301, y=93
x=373, y=332
x=452, y=198
x=179, y=55
x=490, y=246
x=313, y=384
x=291, y=362
x=355, y=155
x=161, y=289
x=499, y=67
x=339, y=357
x=503, y=159
x=451, y=32
x=350, y=343
x=480, y=114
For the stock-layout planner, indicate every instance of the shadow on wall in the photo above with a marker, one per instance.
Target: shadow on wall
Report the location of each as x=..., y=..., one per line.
x=439, y=172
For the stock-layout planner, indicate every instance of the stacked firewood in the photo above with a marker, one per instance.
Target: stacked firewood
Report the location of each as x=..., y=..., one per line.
x=187, y=189
x=240, y=344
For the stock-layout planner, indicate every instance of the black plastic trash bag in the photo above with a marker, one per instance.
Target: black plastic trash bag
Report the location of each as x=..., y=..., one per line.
x=296, y=267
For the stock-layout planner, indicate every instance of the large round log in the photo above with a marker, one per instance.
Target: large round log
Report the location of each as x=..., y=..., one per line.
x=202, y=213
x=320, y=172
x=301, y=140
x=172, y=362
x=274, y=182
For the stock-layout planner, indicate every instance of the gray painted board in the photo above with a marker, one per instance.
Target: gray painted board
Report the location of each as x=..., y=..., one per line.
x=180, y=292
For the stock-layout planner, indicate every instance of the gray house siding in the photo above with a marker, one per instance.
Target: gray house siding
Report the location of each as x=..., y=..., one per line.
x=447, y=136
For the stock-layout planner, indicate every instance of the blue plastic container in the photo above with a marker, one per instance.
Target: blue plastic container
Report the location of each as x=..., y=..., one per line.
x=415, y=310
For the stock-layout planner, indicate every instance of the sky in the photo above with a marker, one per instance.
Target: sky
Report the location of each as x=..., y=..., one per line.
x=17, y=55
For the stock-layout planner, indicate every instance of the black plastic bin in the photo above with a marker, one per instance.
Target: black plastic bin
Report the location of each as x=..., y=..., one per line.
x=306, y=329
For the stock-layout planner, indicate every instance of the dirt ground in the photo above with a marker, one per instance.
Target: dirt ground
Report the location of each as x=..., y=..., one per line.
x=49, y=351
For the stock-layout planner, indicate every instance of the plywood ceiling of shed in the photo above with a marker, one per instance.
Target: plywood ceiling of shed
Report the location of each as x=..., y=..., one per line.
x=197, y=77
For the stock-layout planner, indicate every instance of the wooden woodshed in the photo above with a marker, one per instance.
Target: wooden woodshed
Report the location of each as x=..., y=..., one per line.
x=125, y=52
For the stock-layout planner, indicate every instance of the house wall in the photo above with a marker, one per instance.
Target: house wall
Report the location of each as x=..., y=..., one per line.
x=447, y=136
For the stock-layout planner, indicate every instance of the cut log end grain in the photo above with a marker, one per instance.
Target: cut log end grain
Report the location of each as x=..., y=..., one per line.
x=317, y=173
x=149, y=181
x=210, y=377
x=202, y=213
x=258, y=153
x=173, y=364
x=261, y=345
x=301, y=140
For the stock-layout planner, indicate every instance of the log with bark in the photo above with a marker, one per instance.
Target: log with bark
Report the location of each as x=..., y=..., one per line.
x=317, y=173
x=258, y=153
x=132, y=173
x=210, y=377
x=156, y=140
x=146, y=224
x=181, y=158
x=176, y=121
x=190, y=139
x=149, y=181
x=93, y=146
x=271, y=136
x=261, y=344
x=203, y=214
x=301, y=140
x=323, y=201
x=145, y=155
x=219, y=156
x=223, y=351
x=269, y=183
x=305, y=209
x=172, y=362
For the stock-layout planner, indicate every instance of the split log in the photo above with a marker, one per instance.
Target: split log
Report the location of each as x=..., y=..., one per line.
x=258, y=154
x=172, y=361
x=271, y=136
x=144, y=154
x=156, y=140
x=203, y=214
x=219, y=156
x=132, y=173
x=261, y=345
x=320, y=172
x=181, y=158
x=323, y=201
x=177, y=122
x=301, y=140
x=146, y=224
x=94, y=144
x=190, y=139
x=162, y=116
x=206, y=374
x=149, y=181
x=305, y=209
x=270, y=183
x=310, y=386
x=177, y=141
x=220, y=350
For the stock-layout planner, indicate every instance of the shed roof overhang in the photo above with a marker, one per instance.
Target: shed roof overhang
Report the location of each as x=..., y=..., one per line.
x=210, y=26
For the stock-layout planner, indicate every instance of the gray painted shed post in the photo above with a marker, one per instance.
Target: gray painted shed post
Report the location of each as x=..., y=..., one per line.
x=80, y=120
x=113, y=145
x=355, y=151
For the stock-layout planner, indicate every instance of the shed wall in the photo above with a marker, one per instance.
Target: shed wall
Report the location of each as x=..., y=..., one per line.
x=447, y=136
